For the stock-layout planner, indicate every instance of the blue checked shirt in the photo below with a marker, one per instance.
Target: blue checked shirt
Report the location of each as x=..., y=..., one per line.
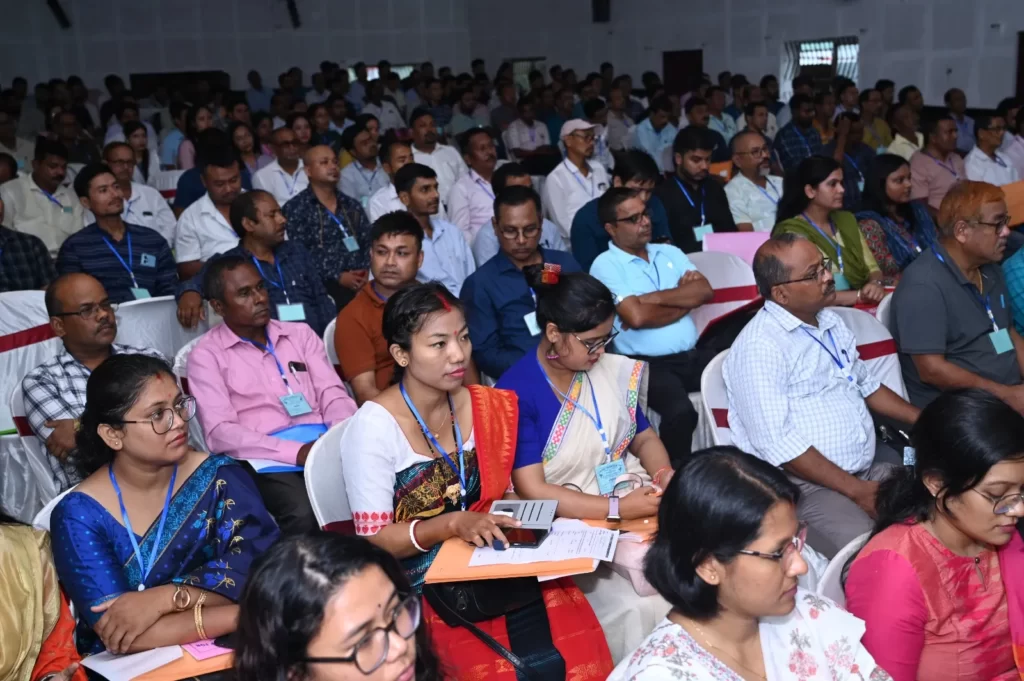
x=25, y=264
x=1013, y=271
x=794, y=145
x=311, y=224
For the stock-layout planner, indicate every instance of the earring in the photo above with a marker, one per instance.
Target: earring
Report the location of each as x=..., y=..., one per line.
x=552, y=354
x=403, y=363
x=117, y=443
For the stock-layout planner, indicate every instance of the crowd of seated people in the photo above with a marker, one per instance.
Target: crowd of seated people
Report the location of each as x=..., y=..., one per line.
x=457, y=232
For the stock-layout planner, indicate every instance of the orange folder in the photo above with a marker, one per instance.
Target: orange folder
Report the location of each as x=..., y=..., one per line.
x=452, y=565
x=186, y=667
x=723, y=170
x=1015, y=202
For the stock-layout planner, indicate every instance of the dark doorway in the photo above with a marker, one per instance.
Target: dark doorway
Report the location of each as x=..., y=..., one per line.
x=681, y=70
x=1020, y=65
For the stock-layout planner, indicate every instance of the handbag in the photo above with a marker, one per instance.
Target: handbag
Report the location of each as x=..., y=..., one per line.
x=460, y=604
x=629, y=562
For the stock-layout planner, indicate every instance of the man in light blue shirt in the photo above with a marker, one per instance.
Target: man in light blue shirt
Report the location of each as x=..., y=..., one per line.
x=956, y=100
x=170, y=143
x=257, y=95
x=446, y=255
x=719, y=121
x=655, y=134
x=655, y=287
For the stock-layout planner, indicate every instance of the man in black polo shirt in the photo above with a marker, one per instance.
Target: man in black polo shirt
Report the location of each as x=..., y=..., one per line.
x=695, y=201
x=951, y=314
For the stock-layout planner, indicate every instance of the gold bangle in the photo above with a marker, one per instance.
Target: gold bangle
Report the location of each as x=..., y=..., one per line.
x=182, y=598
x=197, y=615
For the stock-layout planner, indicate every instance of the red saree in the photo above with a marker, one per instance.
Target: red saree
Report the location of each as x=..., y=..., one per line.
x=575, y=630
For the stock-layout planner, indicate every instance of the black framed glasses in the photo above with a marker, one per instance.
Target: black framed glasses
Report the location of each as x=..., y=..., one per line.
x=756, y=151
x=1005, y=222
x=90, y=311
x=585, y=136
x=510, y=234
x=825, y=266
x=1004, y=504
x=636, y=218
x=372, y=650
x=163, y=420
x=593, y=345
x=795, y=546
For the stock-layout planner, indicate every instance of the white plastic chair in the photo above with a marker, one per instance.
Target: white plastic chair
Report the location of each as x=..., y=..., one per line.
x=741, y=244
x=715, y=399
x=325, y=483
x=733, y=283
x=332, y=352
x=195, y=429
x=153, y=323
x=42, y=519
x=883, y=310
x=166, y=182
x=46, y=485
x=875, y=346
x=831, y=584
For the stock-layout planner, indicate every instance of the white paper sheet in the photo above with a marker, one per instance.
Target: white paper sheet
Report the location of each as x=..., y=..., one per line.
x=567, y=540
x=127, y=667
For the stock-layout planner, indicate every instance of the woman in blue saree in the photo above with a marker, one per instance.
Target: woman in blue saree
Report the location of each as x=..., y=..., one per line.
x=202, y=520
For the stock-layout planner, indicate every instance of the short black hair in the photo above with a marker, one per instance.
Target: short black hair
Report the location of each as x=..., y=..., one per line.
x=48, y=147
x=692, y=139
x=865, y=94
x=692, y=103
x=502, y=174
x=767, y=79
x=477, y=62
x=1004, y=106
x=388, y=142
x=635, y=164
x=821, y=95
x=86, y=175
x=290, y=119
x=851, y=116
x=465, y=139
x=10, y=162
x=843, y=85
x=904, y=93
x=769, y=271
x=576, y=303
x=803, y=81
x=751, y=107
x=984, y=121
x=244, y=206
x=884, y=84
x=517, y=196
x=125, y=105
x=418, y=113
x=213, y=278
x=948, y=95
x=348, y=137
x=396, y=223
x=798, y=100
x=405, y=178
x=218, y=157
x=609, y=202
x=931, y=123
x=661, y=103
x=713, y=89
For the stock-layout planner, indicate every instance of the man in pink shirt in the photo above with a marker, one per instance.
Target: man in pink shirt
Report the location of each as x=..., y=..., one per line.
x=265, y=389
x=937, y=167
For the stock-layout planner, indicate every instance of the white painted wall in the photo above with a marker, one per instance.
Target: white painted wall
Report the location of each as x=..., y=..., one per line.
x=935, y=44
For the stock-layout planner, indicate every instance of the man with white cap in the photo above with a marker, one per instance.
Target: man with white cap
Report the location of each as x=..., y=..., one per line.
x=576, y=180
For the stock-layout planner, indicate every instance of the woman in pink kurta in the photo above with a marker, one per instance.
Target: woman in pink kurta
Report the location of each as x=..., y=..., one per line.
x=929, y=585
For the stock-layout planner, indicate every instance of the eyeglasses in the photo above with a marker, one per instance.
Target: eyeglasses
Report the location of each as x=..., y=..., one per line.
x=1000, y=129
x=372, y=650
x=1003, y=505
x=1005, y=222
x=593, y=345
x=585, y=136
x=90, y=311
x=163, y=420
x=759, y=151
x=512, y=234
x=635, y=219
x=825, y=266
x=795, y=546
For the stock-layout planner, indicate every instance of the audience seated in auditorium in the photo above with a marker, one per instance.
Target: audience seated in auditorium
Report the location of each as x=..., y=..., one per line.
x=293, y=286
x=798, y=139
x=394, y=153
x=82, y=316
x=986, y=162
x=560, y=113
x=897, y=229
x=1014, y=149
x=204, y=229
x=444, y=160
x=171, y=140
x=505, y=113
x=363, y=176
x=877, y=133
x=528, y=140
x=396, y=468
x=753, y=192
x=848, y=148
x=758, y=118
x=213, y=144
x=695, y=202
x=331, y=226
x=39, y=203
x=22, y=150
x=447, y=257
x=655, y=287
x=655, y=133
x=956, y=101
x=124, y=111
x=283, y=177
x=386, y=112
x=323, y=131
x=799, y=394
x=1007, y=109
x=198, y=119
x=201, y=510
x=486, y=244
x=950, y=316
x=904, y=120
x=727, y=558
x=719, y=121
x=467, y=113
x=938, y=166
x=348, y=595
x=68, y=131
x=811, y=206
x=299, y=123
x=697, y=116
x=824, y=115
x=599, y=400
x=620, y=126
x=243, y=139
x=938, y=582
x=130, y=261
x=143, y=205
x=147, y=163
x=266, y=389
x=577, y=179
x=634, y=169
x=471, y=201
x=396, y=254
x=500, y=305
x=25, y=264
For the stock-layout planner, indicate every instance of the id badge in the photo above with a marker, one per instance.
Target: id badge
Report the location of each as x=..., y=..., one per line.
x=860, y=186
x=68, y=210
x=1001, y=341
x=351, y=245
x=842, y=283
x=140, y=293
x=365, y=200
x=531, y=323
x=702, y=231
x=147, y=260
x=295, y=404
x=608, y=473
x=294, y=312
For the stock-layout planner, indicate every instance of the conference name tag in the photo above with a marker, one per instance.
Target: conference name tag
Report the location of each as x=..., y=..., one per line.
x=860, y=186
x=68, y=210
x=295, y=404
x=140, y=293
x=351, y=245
x=702, y=231
x=842, y=283
x=531, y=323
x=147, y=260
x=294, y=312
x=608, y=473
x=1001, y=341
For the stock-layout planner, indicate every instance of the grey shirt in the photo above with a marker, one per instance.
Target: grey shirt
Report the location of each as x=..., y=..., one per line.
x=937, y=311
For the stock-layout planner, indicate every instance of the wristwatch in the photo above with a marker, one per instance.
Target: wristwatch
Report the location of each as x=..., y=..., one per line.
x=613, y=510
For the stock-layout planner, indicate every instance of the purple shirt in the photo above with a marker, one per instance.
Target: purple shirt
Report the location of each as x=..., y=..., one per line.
x=238, y=388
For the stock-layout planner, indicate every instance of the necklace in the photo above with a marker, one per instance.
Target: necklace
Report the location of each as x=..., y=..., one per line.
x=700, y=631
x=435, y=431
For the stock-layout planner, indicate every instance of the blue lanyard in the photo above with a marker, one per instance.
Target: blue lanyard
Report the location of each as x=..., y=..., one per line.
x=340, y=224
x=854, y=164
x=984, y=300
x=280, y=285
x=295, y=181
x=895, y=227
x=143, y=570
x=590, y=192
x=703, y=191
x=939, y=163
x=835, y=355
x=461, y=469
x=52, y=198
x=768, y=183
x=998, y=160
x=126, y=265
x=373, y=287
x=483, y=185
x=369, y=183
x=595, y=418
x=269, y=348
x=128, y=205
x=834, y=242
x=807, y=144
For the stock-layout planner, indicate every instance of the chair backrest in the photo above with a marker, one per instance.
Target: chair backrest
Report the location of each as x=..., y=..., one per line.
x=883, y=309
x=508, y=145
x=831, y=584
x=47, y=480
x=733, y=282
x=180, y=367
x=723, y=170
x=716, y=400
x=166, y=182
x=875, y=346
x=332, y=352
x=742, y=244
x=42, y=519
x=325, y=483
x=26, y=341
x=153, y=323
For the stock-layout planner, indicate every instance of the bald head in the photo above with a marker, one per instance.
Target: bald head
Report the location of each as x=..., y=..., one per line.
x=773, y=262
x=286, y=145
x=322, y=166
x=64, y=291
x=791, y=272
x=80, y=312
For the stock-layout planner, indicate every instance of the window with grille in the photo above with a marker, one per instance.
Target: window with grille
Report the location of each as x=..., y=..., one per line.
x=823, y=60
